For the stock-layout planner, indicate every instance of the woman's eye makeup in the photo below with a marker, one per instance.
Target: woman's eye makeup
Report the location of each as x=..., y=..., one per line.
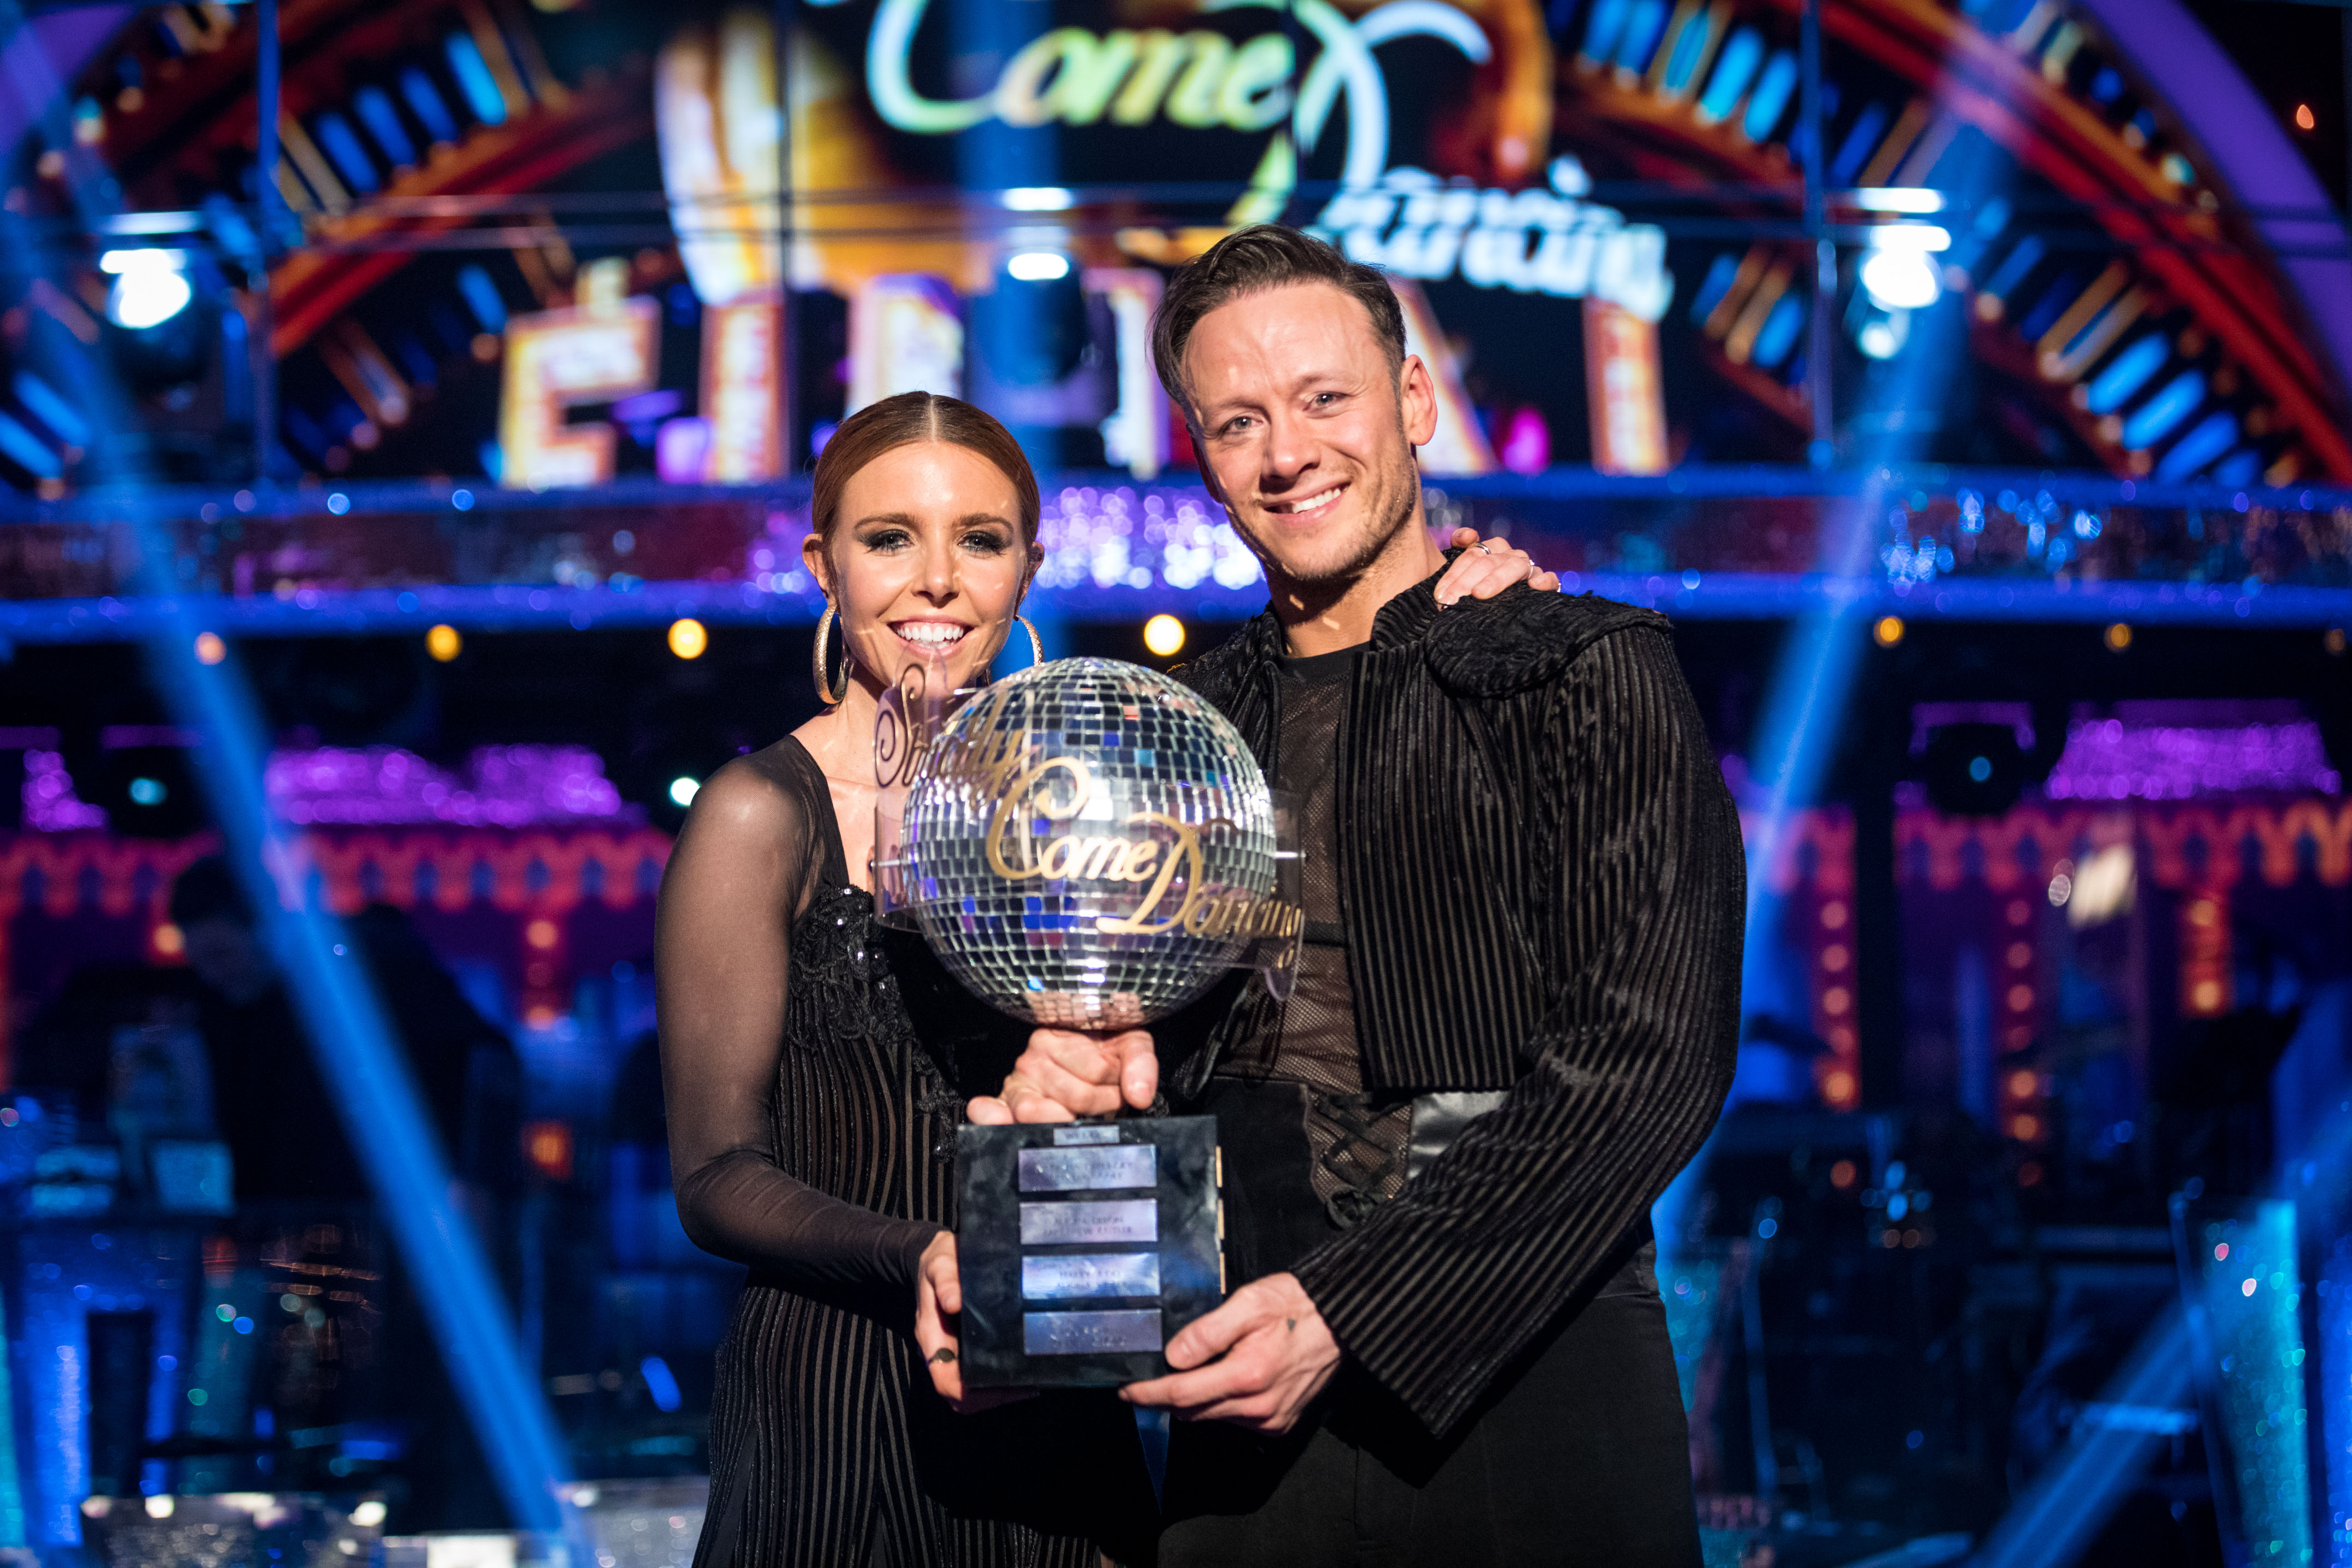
x=891, y=538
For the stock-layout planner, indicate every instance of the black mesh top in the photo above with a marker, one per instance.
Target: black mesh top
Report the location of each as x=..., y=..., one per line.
x=814, y=1067
x=1357, y=1144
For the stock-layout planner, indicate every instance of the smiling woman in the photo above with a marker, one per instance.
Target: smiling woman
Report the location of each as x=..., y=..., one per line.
x=813, y=1062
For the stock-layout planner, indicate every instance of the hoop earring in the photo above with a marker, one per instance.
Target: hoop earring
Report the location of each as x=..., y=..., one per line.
x=1036, y=649
x=821, y=656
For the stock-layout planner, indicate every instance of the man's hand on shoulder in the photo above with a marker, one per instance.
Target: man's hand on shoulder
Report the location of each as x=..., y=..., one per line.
x=1065, y=1074
x=1257, y=1361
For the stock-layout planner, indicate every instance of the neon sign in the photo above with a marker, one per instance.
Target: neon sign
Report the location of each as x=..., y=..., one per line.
x=1197, y=79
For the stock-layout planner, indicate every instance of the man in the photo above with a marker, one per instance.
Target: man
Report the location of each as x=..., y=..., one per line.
x=1514, y=1023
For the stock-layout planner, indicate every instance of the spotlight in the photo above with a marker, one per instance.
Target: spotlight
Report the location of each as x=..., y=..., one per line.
x=1882, y=337
x=1974, y=769
x=683, y=789
x=149, y=792
x=1888, y=630
x=689, y=638
x=1898, y=274
x=1039, y=267
x=1039, y=199
x=444, y=642
x=150, y=287
x=1164, y=635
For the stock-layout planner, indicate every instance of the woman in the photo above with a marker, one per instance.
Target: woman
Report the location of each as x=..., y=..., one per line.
x=814, y=1064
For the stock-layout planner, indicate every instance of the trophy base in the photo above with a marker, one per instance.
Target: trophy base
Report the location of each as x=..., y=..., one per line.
x=1084, y=1247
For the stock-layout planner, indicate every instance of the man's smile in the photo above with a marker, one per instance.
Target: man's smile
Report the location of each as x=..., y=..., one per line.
x=1307, y=505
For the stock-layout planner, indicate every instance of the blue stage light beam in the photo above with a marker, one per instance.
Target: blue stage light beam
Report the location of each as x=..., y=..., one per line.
x=361, y=1060
x=2065, y=1507
x=1797, y=732
x=2056, y=1516
x=343, y=1017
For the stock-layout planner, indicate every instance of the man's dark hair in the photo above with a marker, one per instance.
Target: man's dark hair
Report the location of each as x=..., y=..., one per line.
x=1251, y=261
x=208, y=890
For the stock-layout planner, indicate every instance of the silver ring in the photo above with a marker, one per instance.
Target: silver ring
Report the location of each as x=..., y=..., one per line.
x=1481, y=549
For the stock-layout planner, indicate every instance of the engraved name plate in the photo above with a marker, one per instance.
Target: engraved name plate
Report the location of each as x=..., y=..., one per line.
x=1089, y=1170
x=1083, y=1247
x=1064, y=1224
x=1068, y=1275
x=1089, y=1333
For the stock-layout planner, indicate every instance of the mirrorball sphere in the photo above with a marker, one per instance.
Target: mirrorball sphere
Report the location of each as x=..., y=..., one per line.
x=1074, y=766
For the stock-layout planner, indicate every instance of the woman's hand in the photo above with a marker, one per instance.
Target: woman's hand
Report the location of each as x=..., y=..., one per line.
x=1486, y=567
x=1067, y=1073
x=939, y=1296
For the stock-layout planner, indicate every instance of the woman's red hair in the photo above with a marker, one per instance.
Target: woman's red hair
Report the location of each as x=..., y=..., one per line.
x=901, y=421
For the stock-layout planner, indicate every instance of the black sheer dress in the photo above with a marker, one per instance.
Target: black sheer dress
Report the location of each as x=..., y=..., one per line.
x=814, y=1066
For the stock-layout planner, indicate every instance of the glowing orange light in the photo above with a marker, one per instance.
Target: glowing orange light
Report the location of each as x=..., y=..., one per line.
x=542, y=934
x=548, y=1146
x=1888, y=630
x=2022, y=1083
x=2025, y=1129
x=2119, y=636
x=210, y=649
x=2303, y=119
x=1164, y=635
x=1838, y=1087
x=1842, y=1175
x=169, y=940
x=443, y=643
x=687, y=638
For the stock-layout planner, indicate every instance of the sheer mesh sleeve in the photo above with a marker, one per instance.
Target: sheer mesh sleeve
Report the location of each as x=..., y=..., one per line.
x=744, y=868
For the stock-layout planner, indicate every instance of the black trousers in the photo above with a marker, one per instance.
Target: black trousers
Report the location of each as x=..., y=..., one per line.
x=1578, y=1455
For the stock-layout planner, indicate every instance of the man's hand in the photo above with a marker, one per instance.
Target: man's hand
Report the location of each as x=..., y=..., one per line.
x=939, y=1296
x=1486, y=567
x=1275, y=1355
x=1065, y=1074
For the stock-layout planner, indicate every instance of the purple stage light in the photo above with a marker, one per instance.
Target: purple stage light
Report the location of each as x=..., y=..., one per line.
x=50, y=804
x=501, y=787
x=2110, y=759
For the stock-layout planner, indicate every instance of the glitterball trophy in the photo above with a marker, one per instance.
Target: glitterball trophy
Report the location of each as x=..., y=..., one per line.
x=1086, y=845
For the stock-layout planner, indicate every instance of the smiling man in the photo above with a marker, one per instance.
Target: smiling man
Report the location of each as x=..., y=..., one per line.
x=1513, y=1019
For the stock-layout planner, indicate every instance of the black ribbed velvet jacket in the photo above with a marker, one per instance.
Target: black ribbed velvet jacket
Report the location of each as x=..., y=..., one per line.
x=1543, y=889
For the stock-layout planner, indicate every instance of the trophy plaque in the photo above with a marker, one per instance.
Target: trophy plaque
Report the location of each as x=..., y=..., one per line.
x=1086, y=845
x=1114, y=1233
